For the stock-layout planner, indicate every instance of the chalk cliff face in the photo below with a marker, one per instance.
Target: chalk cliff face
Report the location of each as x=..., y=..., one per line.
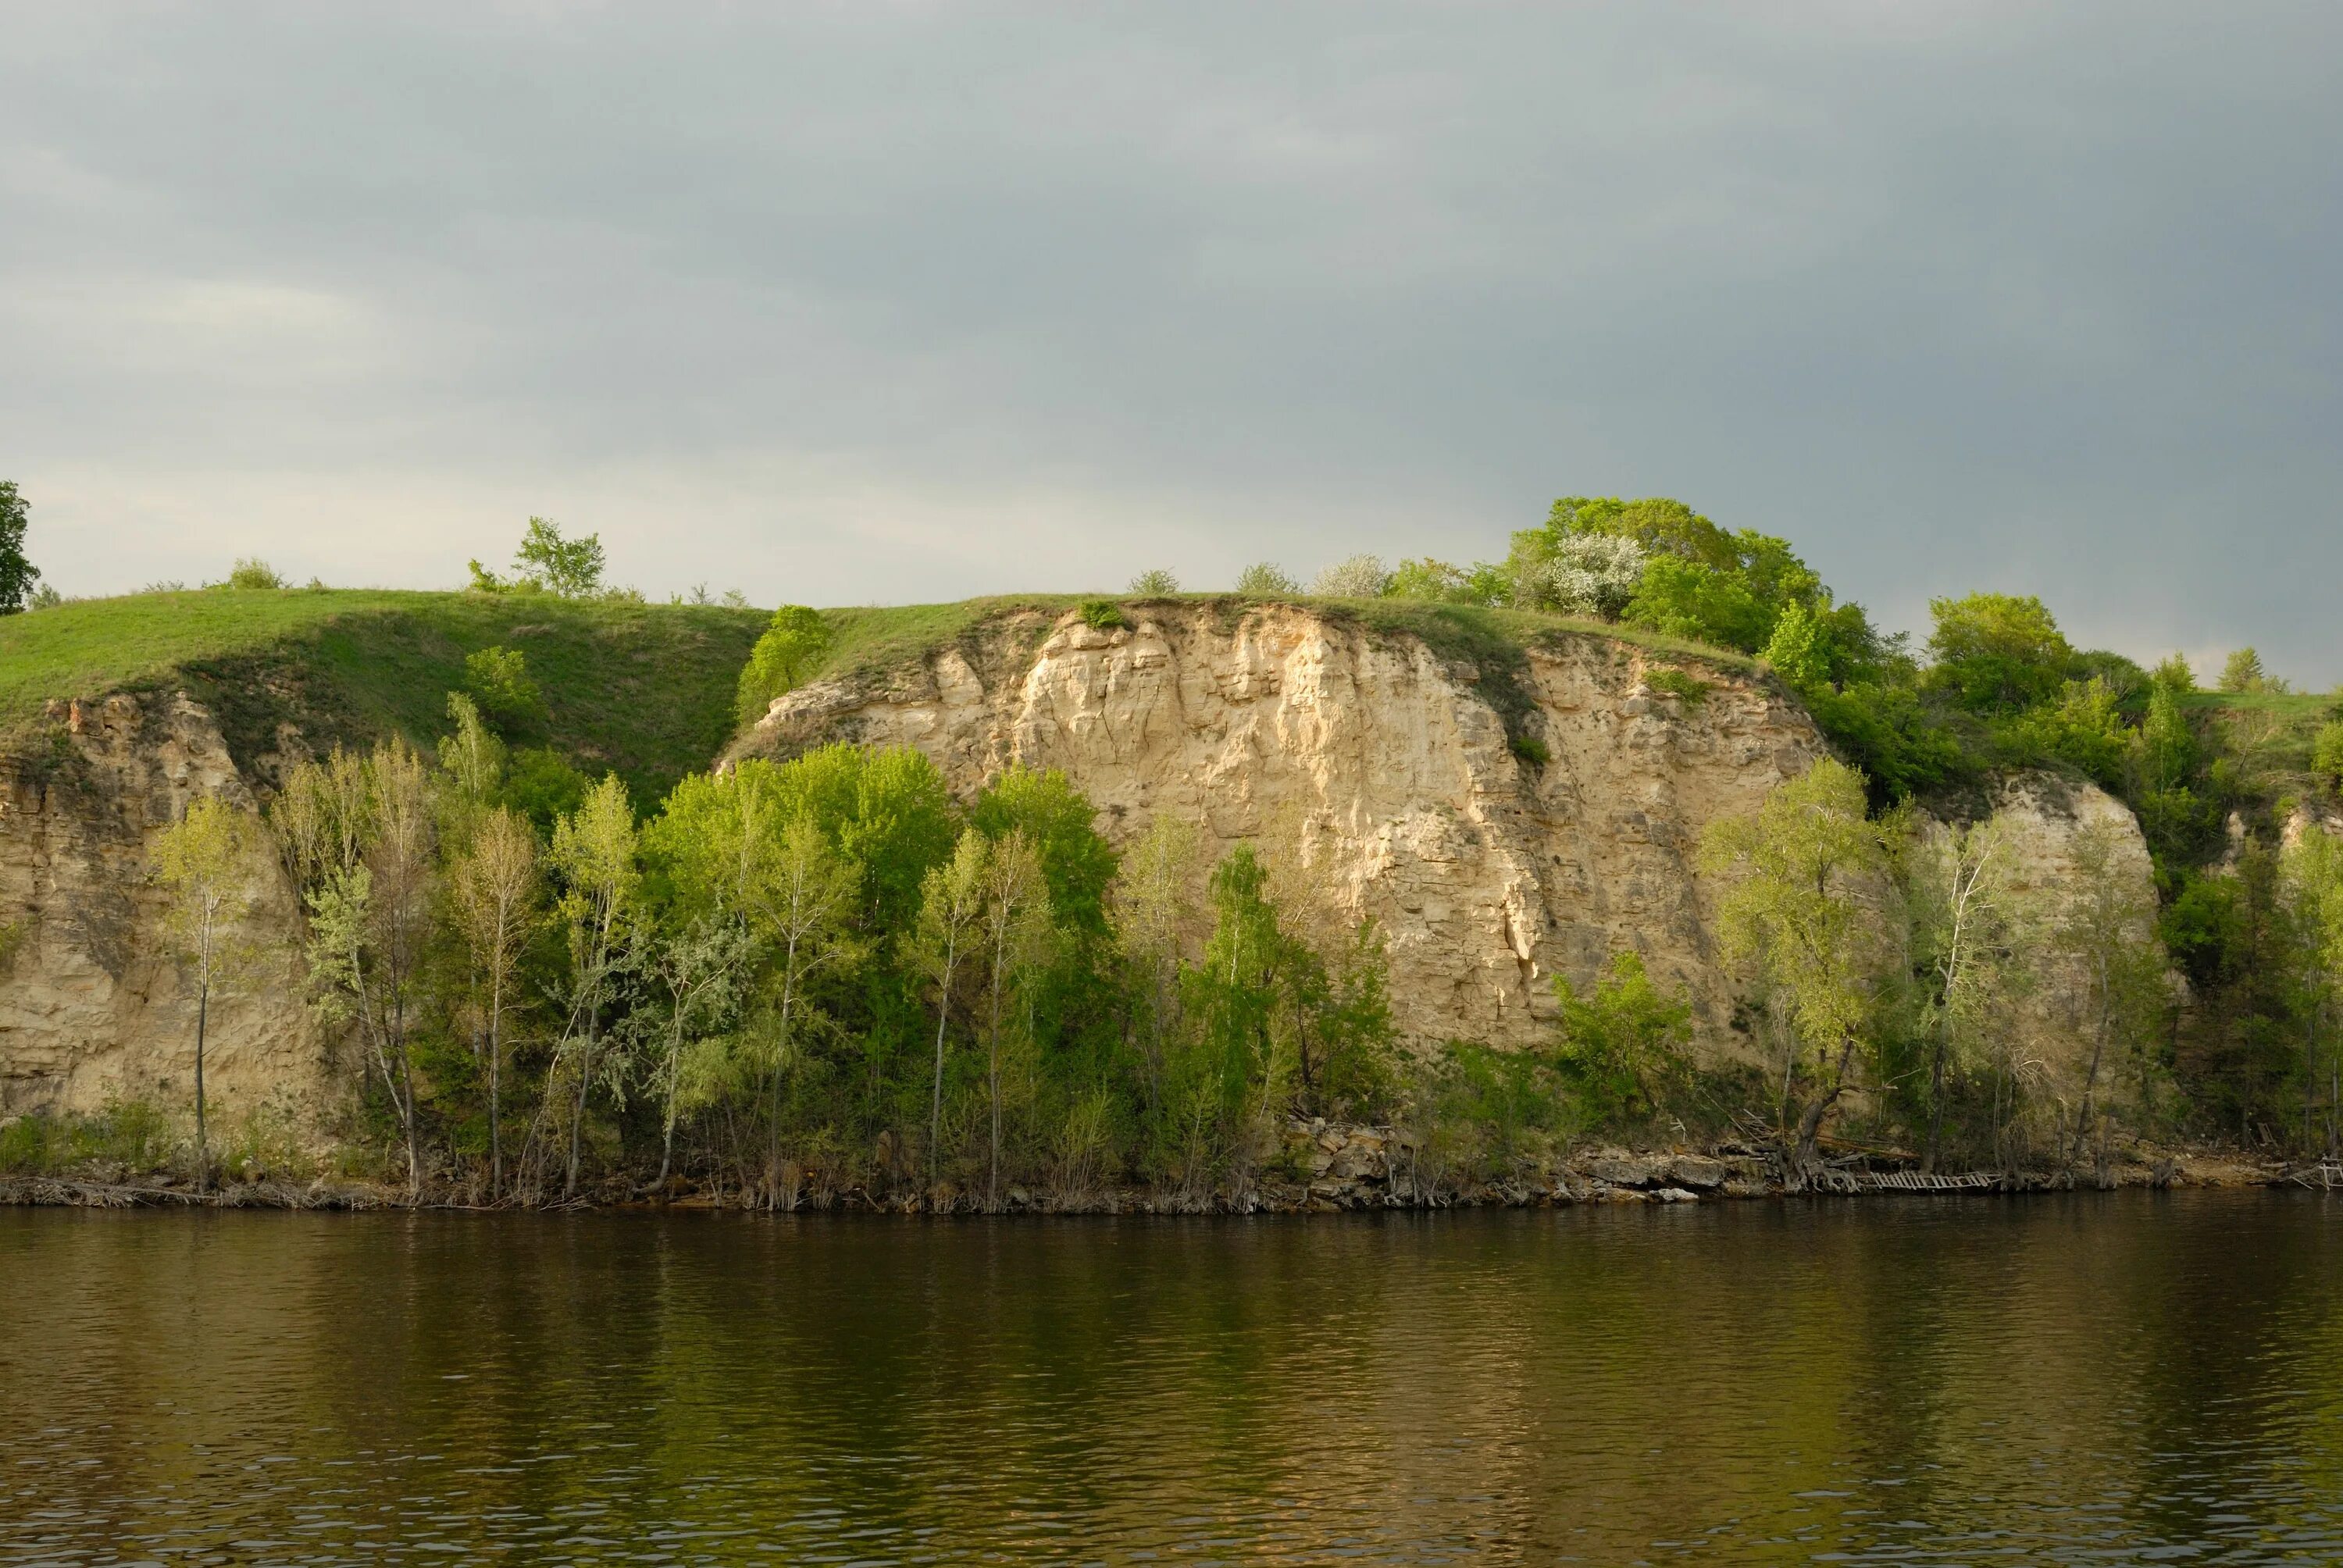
x=1390, y=767
x=93, y=1008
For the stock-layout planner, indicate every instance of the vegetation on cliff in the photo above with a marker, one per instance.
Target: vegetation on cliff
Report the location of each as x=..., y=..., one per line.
x=566, y=957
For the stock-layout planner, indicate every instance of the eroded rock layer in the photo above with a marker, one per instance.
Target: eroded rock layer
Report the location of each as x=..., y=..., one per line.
x=94, y=1007
x=1390, y=767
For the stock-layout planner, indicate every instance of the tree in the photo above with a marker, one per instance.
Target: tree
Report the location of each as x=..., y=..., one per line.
x=1961, y=900
x=203, y=862
x=1264, y=579
x=494, y=888
x=252, y=572
x=2105, y=930
x=2326, y=754
x=2314, y=883
x=800, y=900
x=1360, y=577
x=370, y=881
x=1156, y=920
x=951, y=901
x=2243, y=672
x=698, y=969
x=570, y=567
x=790, y=649
x=1997, y=652
x=1580, y=574
x=1622, y=1048
x=594, y=856
x=17, y=575
x=1154, y=583
x=1804, y=906
x=1014, y=927
x=1076, y=863
x=498, y=680
x=472, y=760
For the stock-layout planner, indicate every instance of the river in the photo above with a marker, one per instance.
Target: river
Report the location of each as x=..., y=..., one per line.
x=2102, y=1378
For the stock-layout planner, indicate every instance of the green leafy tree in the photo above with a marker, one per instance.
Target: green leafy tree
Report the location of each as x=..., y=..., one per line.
x=569, y=568
x=203, y=864
x=1998, y=653
x=2326, y=754
x=498, y=680
x=1962, y=898
x=1154, y=583
x=1806, y=880
x=370, y=877
x=1622, y=1048
x=472, y=760
x=1263, y=579
x=2105, y=931
x=950, y=906
x=495, y=891
x=18, y=574
x=2313, y=869
x=1013, y=929
x=1057, y=820
x=1157, y=920
x=252, y=572
x=790, y=651
x=697, y=973
x=594, y=857
x=2243, y=672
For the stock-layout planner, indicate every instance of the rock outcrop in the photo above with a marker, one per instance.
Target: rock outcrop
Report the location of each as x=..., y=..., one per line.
x=1494, y=855
x=93, y=1008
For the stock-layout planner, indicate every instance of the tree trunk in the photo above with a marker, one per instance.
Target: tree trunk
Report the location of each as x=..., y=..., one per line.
x=1929, y=1156
x=577, y=1120
x=202, y=1142
x=936, y=1098
x=1810, y=1125
x=496, y=1105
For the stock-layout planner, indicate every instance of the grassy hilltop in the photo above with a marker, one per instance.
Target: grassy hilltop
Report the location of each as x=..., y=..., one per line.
x=642, y=690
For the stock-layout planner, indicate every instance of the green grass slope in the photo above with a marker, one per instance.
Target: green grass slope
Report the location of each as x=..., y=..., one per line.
x=645, y=690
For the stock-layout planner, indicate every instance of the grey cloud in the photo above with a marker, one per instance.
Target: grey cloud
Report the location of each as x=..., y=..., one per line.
x=895, y=302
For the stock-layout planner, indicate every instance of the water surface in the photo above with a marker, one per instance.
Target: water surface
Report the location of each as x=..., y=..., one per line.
x=2089, y=1379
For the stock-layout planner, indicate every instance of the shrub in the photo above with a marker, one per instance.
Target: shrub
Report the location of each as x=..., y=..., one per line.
x=1530, y=750
x=1360, y=577
x=1265, y=581
x=1102, y=614
x=1622, y=1048
x=497, y=678
x=1155, y=582
x=252, y=572
x=785, y=656
x=2327, y=755
x=1676, y=683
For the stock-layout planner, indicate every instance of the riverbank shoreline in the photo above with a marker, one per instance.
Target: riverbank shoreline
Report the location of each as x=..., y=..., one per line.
x=1599, y=1177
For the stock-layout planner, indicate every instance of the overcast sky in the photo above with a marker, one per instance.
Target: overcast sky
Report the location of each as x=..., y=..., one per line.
x=875, y=303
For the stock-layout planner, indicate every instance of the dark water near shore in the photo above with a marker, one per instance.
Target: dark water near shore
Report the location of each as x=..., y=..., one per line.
x=2092, y=1379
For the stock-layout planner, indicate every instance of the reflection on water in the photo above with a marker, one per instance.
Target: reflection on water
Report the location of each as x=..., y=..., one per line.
x=2109, y=1378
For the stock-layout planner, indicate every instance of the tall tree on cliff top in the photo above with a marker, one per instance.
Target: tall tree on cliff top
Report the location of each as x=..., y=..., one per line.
x=17, y=575
x=203, y=862
x=1803, y=907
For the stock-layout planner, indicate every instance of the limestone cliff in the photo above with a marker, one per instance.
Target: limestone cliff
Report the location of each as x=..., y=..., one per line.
x=92, y=1007
x=1391, y=765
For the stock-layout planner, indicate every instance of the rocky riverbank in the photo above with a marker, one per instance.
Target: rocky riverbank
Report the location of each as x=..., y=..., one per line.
x=1322, y=1168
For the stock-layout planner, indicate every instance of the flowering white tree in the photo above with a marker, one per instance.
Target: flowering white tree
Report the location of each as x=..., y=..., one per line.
x=1584, y=574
